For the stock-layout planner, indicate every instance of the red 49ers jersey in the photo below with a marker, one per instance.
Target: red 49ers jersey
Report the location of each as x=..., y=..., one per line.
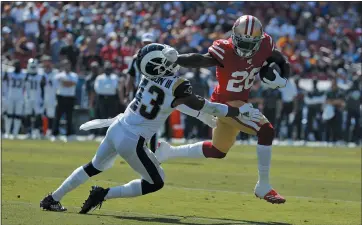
x=237, y=75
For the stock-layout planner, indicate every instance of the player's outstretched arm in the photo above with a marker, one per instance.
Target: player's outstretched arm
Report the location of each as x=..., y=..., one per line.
x=191, y=60
x=184, y=96
x=196, y=60
x=207, y=119
x=200, y=104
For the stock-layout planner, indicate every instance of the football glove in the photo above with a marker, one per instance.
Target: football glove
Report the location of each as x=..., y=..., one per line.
x=248, y=112
x=170, y=54
x=207, y=119
x=278, y=82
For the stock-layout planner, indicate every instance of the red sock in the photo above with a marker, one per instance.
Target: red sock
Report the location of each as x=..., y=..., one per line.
x=211, y=152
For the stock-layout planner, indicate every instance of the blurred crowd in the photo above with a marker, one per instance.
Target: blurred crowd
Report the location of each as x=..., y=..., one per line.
x=321, y=39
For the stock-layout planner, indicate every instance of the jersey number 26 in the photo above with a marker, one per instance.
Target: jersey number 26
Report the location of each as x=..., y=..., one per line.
x=244, y=80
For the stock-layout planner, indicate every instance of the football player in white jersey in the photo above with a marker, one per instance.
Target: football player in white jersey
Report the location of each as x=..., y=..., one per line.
x=15, y=100
x=159, y=93
x=34, y=94
x=50, y=99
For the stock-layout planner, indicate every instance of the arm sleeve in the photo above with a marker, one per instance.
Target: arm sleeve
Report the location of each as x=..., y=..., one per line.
x=182, y=90
x=219, y=110
x=188, y=111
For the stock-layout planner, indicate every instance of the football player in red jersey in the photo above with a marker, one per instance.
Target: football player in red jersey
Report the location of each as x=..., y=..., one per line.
x=238, y=60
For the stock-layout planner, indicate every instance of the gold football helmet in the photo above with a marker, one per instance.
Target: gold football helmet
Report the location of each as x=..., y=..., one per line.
x=247, y=34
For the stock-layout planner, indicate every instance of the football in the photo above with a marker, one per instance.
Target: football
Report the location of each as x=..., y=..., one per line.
x=267, y=71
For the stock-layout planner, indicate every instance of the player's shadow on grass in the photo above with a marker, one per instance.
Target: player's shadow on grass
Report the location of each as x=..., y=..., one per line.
x=216, y=221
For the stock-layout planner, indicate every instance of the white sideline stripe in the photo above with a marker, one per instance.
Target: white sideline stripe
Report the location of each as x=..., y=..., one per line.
x=218, y=48
x=218, y=54
x=210, y=190
x=131, y=213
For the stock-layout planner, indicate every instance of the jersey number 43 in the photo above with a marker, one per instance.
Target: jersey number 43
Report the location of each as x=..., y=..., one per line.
x=244, y=80
x=149, y=110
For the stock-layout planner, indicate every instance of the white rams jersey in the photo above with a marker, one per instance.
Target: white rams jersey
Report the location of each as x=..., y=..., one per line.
x=34, y=87
x=16, y=85
x=152, y=104
x=50, y=89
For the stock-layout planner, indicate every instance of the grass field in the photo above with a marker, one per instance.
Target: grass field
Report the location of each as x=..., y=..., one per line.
x=322, y=186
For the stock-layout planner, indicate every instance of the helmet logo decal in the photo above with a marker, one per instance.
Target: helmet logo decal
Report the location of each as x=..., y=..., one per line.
x=161, y=69
x=252, y=25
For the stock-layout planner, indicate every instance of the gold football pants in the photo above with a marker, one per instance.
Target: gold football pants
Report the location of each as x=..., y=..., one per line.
x=227, y=128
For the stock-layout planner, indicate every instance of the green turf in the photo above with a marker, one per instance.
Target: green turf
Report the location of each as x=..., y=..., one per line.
x=322, y=186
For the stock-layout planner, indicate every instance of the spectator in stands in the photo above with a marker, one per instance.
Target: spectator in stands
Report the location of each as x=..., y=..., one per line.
x=89, y=86
x=272, y=105
x=71, y=52
x=31, y=22
x=106, y=87
x=314, y=100
x=298, y=109
x=7, y=41
x=133, y=74
x=353, y=105
x=112, y=52
x=67, y=81
x=17, y=13
x=288, y=95
x=335, y=99
x=24, y=49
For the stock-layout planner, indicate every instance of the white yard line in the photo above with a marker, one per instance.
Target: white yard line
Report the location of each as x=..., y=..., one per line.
x=210, y=190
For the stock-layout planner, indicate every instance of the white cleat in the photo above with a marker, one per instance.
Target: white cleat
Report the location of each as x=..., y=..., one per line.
x=6, y=136
x=52, y=138
x=11, y=137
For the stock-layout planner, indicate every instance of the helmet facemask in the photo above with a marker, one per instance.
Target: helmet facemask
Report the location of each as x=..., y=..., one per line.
x=162, y=67
x=246, y=47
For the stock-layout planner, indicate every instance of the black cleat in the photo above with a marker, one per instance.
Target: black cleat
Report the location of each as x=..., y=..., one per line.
x=49, y=204
x=95, y=199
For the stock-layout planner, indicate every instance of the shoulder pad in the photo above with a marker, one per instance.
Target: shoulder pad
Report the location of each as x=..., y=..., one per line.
x=218, y=49
x=182, y=88
x=268, y=42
